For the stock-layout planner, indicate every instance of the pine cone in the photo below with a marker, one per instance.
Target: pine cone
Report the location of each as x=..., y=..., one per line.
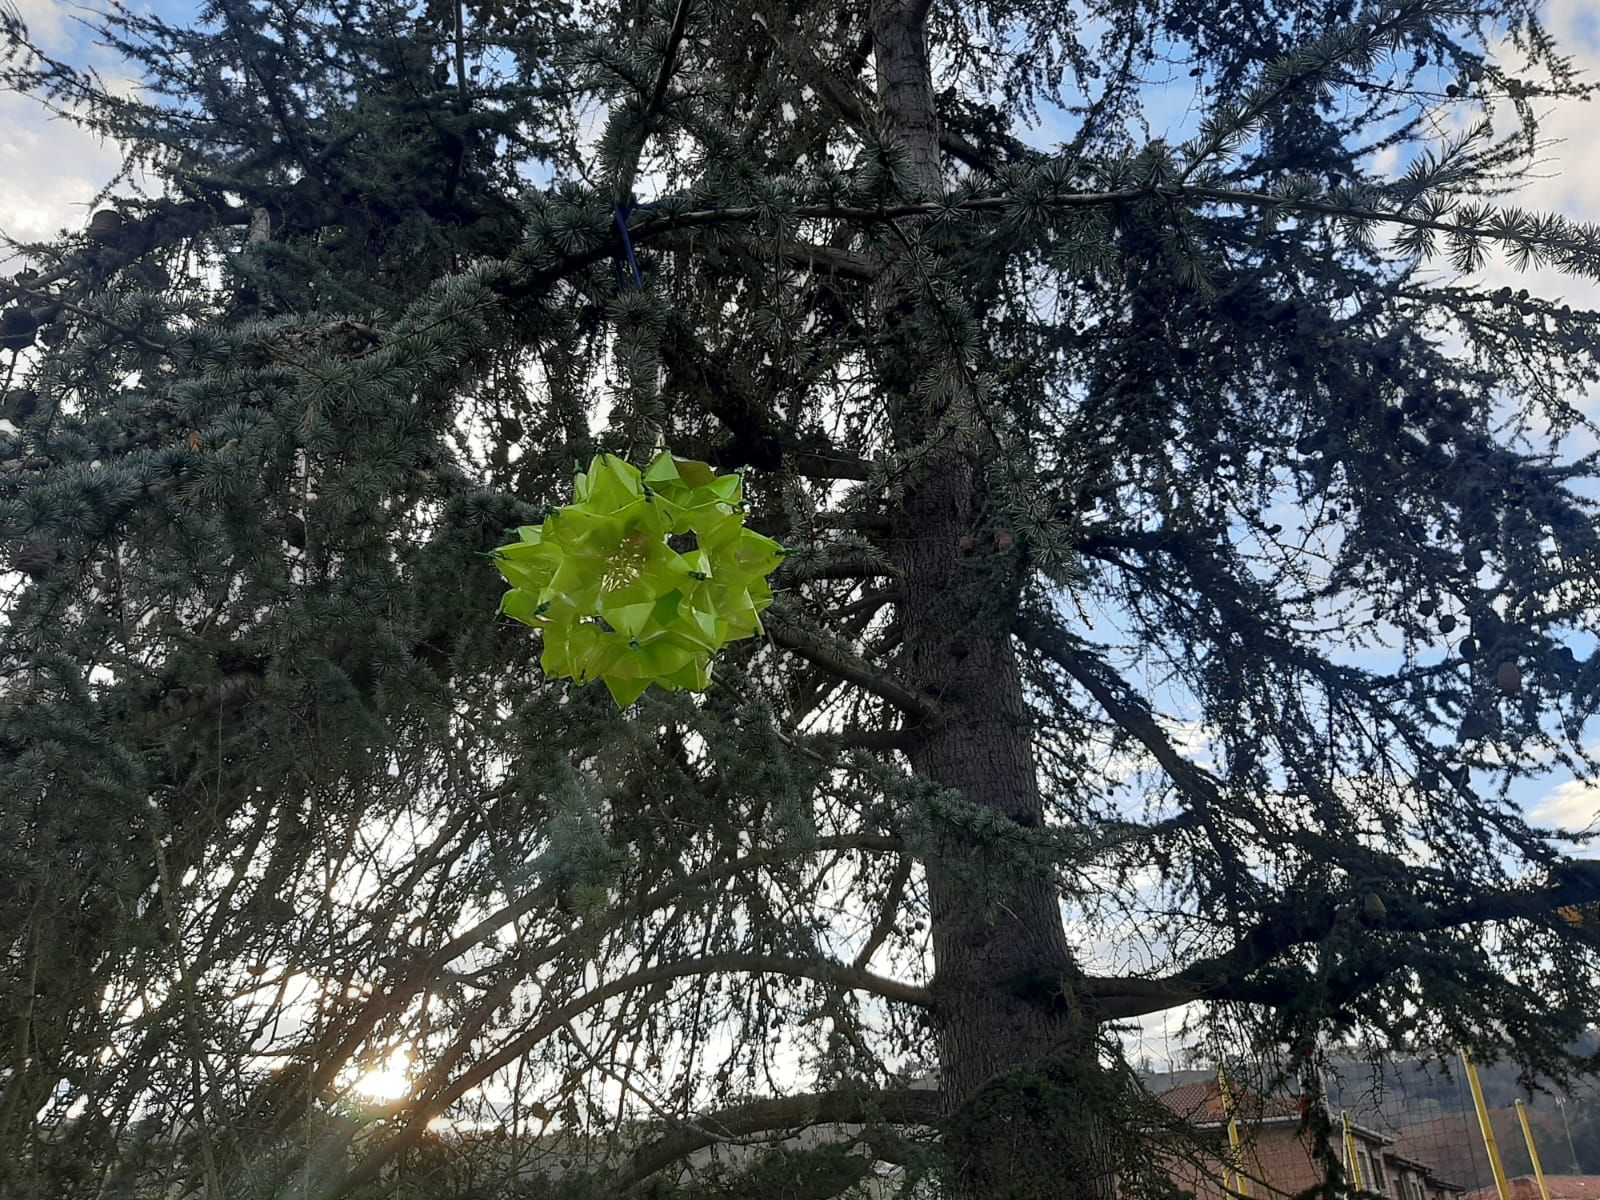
x=35, y=559
x=105, y=225
x=17, y=327
x=1509, y=677
x=18, y=405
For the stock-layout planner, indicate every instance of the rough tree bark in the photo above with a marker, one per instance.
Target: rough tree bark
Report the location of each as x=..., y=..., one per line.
x=1013, y=1070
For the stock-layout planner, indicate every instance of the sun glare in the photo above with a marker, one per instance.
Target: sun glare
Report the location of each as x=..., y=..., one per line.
x=390, y=1081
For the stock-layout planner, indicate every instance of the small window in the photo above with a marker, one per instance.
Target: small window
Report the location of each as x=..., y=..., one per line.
x=1371, y=1178
x=1375, y=1180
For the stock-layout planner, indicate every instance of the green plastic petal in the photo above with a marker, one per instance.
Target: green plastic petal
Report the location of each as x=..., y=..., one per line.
x=695, y=474
x=663, y=469
x=727, y=488
x=616, y=602
x=626, y=691
x=522, y=606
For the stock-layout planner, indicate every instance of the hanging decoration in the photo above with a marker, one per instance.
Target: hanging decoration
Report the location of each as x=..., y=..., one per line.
x=616, y=599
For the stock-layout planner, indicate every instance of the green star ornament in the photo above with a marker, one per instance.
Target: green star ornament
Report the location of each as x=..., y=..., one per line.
x=616, y=601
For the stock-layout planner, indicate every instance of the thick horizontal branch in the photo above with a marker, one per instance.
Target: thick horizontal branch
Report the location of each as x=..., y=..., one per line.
x=162, y=222
x=1179, y=194
x=816, y=464
x=1329, y=208
x=854, y=565
x=826, y=260
x=166, y=221
x=821, y=260
x=884, y=739
x=852, y=669
x=185, y=219
x=1227, y=976
x=662, y=222
x=909, y=1106
x=516, y=280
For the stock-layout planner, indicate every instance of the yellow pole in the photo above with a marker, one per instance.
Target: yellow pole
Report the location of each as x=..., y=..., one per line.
x=1533, y=1150
x=1241, y=1184
x=1489, y=1144
x=1350, y=1159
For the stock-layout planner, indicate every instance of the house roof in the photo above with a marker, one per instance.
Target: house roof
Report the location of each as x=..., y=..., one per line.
x=1561, y=1187
x=1402, y=1160
x=1428, y=1170
x=1203, y=1104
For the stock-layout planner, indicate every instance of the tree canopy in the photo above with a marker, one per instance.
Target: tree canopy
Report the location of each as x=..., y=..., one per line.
x=1185, y=558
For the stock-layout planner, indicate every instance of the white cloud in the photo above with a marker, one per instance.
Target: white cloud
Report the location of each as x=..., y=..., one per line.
x=50, y=23
x=1567, y=177
x=1572, y=805
x=49, y=170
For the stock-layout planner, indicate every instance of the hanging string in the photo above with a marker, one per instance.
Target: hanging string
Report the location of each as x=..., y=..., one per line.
x=627, y=245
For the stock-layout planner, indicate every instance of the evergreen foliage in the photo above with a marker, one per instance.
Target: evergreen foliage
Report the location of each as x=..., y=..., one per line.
x=1086, y=452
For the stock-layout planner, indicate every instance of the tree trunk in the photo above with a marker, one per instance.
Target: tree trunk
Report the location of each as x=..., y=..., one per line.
x=1017, y=1073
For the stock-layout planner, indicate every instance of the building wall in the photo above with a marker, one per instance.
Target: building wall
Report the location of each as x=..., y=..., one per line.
x=1280, y=1162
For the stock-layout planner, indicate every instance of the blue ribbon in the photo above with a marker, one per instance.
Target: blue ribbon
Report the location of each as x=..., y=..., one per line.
x=627, y=245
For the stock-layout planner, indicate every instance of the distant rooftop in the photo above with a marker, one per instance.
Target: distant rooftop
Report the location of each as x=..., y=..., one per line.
x=1203, y=1104
x=1561, y=1187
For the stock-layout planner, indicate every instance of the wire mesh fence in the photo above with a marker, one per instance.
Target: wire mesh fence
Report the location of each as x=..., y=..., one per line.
x=1405, y=1129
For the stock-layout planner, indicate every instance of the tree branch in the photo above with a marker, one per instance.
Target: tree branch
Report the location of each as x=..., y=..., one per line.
x=856, y=738
x=520, y=281
x=842, y=99
x=852, y=669
x=1578, y=244
x=909, y=1106
x=857, y=567
x=1128, y=710
x=435, y=1095
x=705, y=379
x=1225, y=976
x=658, y=95
x=887, y=914
x=327, y=1056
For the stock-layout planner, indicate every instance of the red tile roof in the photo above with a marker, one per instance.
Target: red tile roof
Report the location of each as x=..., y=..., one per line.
x=1203, y=1104
x=1561, y=1187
